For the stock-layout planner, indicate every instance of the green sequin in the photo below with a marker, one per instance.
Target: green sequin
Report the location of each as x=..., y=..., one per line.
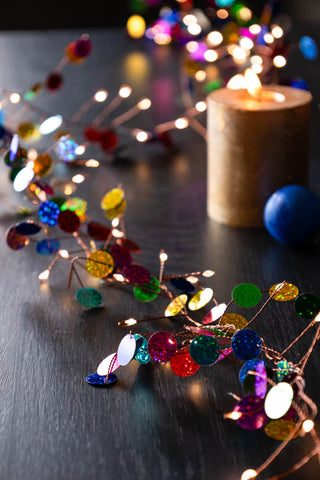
x=143, y=294
x=307, y=305
x=246, y=295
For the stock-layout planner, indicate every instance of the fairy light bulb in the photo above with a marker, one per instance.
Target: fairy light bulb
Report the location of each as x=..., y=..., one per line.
x=256, y=60
x=201, y=106
x=200, y=75
x=32, y=154
x=214, y=38
x=181, y=123
x=129, y=322
x=115, y=222
x=64, y=254
x=208, y=273
x=192, y=46
x=268, y=38
x=15, y=98
x=144, y=104
x=248, y=474
x=246, y=43
x=189, y=19
x=117, y=233
x=136, y=26
x=279, y=61
x=101, y=96
x=163, y=256
x=43, y=277
x=192, y=279
x=92, y=163
x=80, y=149
x=210, y=55
x=307, y=425
x=142, y=136
x=255, y=29
x=194, y=29
x=222, y=13
x=119, y=277
x=79, y=178
x=317, y=318
x=239, y=54
x=233, y=415
x=125, y=91
x=277, y=31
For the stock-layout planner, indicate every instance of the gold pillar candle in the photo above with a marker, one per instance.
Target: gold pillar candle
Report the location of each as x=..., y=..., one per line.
x=258, y=142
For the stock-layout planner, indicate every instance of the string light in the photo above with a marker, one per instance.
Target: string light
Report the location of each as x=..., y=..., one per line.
x=181, y=123
x=15, y=98
x=249, y=474
x=279, y=61
x=307, y=425
x=101, y=96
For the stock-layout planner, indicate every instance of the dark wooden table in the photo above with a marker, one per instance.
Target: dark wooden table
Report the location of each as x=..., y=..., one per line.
x=152, y=424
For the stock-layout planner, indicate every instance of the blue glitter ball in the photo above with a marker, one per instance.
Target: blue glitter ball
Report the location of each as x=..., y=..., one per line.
x=182, y=284
x=49, y=212
x=246, y=344
x=250, y=365
x=141, y=353
x=28, y=228
x=204, y=350
x=47, y=246
x=66, y=149
x=292, y=215
x=88, y=297
x=100, y=380
x=308, y=48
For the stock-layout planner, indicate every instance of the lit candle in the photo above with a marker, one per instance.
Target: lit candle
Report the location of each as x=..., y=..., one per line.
x=258, y=141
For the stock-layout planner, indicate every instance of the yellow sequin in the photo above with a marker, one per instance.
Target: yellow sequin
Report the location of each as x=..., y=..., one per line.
x=100, y=264
x=286, y=293
x=200, y=299
x=112, y=199
x=235, y=319
x=176, y=305
x=42, y=165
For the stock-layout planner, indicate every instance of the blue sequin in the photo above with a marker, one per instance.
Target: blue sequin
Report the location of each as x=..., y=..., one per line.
x=250, y=365
x=141, y=353
x=101, y=380
x=66, y=149
x=47, y=246
x=28, y=228
x=246, y=344
x=182, y=284
x=49, y=212
x=308, y=48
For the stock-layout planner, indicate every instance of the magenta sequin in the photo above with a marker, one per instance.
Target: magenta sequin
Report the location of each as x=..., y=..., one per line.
x=162, y=346
x=121, y=256
x=137, y=274
x=253, y=414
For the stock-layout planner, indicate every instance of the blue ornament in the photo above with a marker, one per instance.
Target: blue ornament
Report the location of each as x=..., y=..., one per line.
x=101, y=380
x=49, y=212
x=246, y=344
x=66, y=148
x=224, y=3
x=308, y=48
x=299, y=83
x=47, y=246
x=88, y=297
x=141, y=353
x=292, y=215
x=182, y=284
x=250, y=365
x=28, y=228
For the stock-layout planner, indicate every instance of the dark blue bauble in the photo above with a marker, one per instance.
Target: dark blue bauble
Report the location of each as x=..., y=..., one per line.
x=292, y=215
x=101, y=381
x=182, y=284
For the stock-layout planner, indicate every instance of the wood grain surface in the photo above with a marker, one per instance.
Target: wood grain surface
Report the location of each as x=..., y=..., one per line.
x=152, y=425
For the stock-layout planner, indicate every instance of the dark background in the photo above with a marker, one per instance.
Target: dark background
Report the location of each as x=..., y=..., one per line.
x=18, y=15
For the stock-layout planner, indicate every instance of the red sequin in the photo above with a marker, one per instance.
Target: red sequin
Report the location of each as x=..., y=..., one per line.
x=54, y=81
x=121, y=255
x=182, y=364
x=98, y=231
x=137, y=274
x=68, y=221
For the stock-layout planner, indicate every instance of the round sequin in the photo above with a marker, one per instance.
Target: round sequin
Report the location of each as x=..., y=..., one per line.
x=88, y=297
x=162, y=346
x=66, y=148
x=182, y=364
x=214, y=314
x=132, y=246
x=253, y=415
x=108, y=364
x=182, y=284
x=47, y=246
x=261, y=380
x=136, y=274
x=68, y=221
x=100, y=380
x=148, y=291
x=246, y=367
x=246, y=295
x=141, y=353
x=126, y=349
x=100, y=264
x=204, y=350
x=200, y=299
x=98, y=231
x=280, y=429
x=286, y=293
x=112, y=213
x=234, y=319
x=15, y=159
x=121, y=255
x=76, y=205
x=49, y=212
x=112, y=199
x=283, y=368
x=176, y=305
x=246, y=344
x=278, y=400
x=15, y=240
x=28, y=228
x=307, y=305
x=42, y=165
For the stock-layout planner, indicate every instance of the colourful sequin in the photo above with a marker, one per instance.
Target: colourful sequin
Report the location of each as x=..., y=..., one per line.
x=307, y=305
x=246, y=295
x=162, y=346
x=200, y=299
x=42, y=165
x=176, y=305
x=253, y=415
x=88, y=297
x=286, y=293
x=237, y=321
x=280, y=429
x=204, y=350
x=246, y=344
x=68, y=221
x=100, y=264
x=136, y=274
x=47, y=246
x=182, y=364
x=49, y=212
x=148, y=291
x=141, y=353
x=15, y=240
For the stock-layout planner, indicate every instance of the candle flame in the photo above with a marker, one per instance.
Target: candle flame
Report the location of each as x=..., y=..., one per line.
x=253, y=83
